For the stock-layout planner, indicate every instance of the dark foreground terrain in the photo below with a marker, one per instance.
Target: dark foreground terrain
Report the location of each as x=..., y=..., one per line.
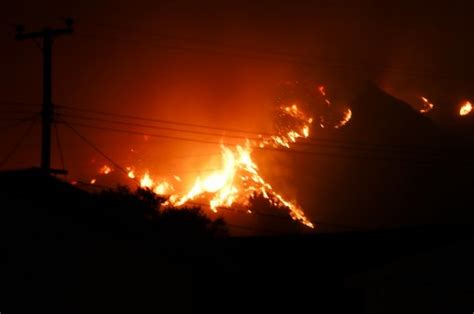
x=63, y=251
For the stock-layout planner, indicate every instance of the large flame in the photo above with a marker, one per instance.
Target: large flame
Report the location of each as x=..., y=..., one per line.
x=235, y=182
x=146, y=181
x=237, y=178
x=465, y=109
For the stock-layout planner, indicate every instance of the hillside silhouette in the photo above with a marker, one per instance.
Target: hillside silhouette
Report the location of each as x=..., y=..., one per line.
x=392, y=166
x=61, y=244
x=67, y=250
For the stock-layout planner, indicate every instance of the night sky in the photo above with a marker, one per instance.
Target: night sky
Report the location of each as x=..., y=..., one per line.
x=220, y=63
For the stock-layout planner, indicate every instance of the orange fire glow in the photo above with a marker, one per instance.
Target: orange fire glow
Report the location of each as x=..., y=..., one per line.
x=465, y=109
x=163, y=188
x=300, y=128
x=237, y=177
x=323, y=122
x=345, y=118
x=146, y=181
x=130, y=172
x=427, y=105
x=322, y=91
x=105, y=169
x=235, y=182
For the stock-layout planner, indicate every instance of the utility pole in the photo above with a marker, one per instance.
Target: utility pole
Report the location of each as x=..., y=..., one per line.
x=47, y=35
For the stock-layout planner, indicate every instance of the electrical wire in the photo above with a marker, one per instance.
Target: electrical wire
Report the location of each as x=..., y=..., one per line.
x=156, y=127
x=18, y=122
x=193, y=125
x=318, y=142
x=324, y=144
x=203, y=41
x=268, y=56
x=17, y=144
x=94, y=147
x=420, y=162
x=17, y=103
x=59, y=146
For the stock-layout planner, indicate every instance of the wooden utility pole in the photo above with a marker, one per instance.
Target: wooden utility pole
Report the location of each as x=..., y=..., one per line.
x=47, y=35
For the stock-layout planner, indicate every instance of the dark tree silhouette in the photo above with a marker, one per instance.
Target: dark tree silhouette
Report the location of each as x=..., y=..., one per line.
x=188, y=222
x=142, y=210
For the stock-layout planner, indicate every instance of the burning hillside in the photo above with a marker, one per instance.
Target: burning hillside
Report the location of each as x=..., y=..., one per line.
x=236, y=178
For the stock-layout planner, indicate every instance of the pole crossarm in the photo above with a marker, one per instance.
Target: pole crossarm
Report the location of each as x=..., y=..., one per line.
x=47, y=32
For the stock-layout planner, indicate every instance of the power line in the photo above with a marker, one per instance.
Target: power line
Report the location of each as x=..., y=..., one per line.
x=243, y=52
x=17, y=103
x=17, y=144
x=200, y=50
x=267, y=56
x=199, y=40
x=420, y=162
x=155, y=127
x=8, y=110
x=321, y=142
x=189, y=131
x=354, y=146
x=112, y=114
x=59, y=146
x=208, y=141
x=17, y=114
x=18, y=122
x=144, y=133
x=94, y=147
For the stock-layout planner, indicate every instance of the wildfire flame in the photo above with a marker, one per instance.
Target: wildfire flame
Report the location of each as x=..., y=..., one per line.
x=105, y=169
x=345, y=118
x=163, y=188
x=322, y=91
x=465, y=109
x=146, y=181
x=236, y=182
x=238, y=179
x=130, y=172
x=299, y=129
x=427, y=105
